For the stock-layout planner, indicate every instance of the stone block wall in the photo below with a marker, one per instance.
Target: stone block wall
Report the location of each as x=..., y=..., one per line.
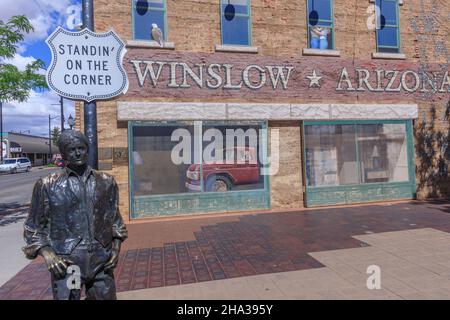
x=286, y=186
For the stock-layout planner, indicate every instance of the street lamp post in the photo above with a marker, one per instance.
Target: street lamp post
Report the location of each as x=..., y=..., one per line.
x=71, y=121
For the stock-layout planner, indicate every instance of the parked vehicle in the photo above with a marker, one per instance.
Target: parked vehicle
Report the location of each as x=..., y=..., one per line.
x=222, y=176
x=59, y=162
x=14, y=165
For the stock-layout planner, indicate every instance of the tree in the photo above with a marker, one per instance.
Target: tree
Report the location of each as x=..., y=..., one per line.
x=55, y=135
x=15, y=85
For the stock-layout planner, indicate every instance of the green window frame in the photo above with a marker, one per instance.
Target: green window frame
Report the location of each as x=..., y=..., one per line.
x=148, y=8
x=327, y=23
x=225, y=38
x=203, y=201
x=361, y=191
x=383, y=25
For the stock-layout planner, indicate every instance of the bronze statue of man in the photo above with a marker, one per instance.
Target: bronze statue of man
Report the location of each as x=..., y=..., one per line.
x=74, y=223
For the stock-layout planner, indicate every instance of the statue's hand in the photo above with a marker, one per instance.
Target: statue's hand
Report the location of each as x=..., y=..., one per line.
x=55, y=264
x=112, y=262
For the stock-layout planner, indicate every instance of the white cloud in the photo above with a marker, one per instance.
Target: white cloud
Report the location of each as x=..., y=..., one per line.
x=33, y=114
x=20, y=61
x=44, y=15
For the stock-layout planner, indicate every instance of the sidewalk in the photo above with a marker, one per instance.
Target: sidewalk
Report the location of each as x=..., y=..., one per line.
x=414, y=265
x=311, y=254
x=11, y=240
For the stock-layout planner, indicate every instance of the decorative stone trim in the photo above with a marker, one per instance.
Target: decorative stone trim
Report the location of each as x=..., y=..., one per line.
x=319, y=52
x=248, y=111
x=168, y=111
x=129, y=111
x=231, y=48
x=149, y=44
x=388, y=56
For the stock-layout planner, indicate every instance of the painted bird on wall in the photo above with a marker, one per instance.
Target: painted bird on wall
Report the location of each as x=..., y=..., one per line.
x=157, y=34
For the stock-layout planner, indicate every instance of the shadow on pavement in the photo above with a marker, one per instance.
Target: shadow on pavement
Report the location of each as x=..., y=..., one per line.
x=438, y=204
x=12, y=212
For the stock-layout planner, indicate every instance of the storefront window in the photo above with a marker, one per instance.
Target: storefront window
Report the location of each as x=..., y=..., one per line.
x=356, y=153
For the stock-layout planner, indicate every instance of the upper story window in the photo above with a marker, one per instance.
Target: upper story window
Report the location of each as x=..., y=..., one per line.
x=320, y=24
x=388, y=31
x=236, y=22
x=146, y=14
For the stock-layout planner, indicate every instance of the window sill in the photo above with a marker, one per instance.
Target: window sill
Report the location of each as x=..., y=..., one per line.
x=388, y=56
x=400, y=2
x=319, y=52
x=149, y=44
x=231, y=48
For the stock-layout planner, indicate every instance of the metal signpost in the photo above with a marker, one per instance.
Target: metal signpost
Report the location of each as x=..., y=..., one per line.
x=87, y=66
x=1, y=132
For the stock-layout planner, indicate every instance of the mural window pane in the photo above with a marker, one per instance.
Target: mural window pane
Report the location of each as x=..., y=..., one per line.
x=388, y=37
x=159, y=163
x=145, y=13
x=320, y=24
x=383, y=153
x=236, y=22
x=232, y=156
x=389, y=11
x=356, y=154
x=388, y=33
x=330, y=155
x=202, y=157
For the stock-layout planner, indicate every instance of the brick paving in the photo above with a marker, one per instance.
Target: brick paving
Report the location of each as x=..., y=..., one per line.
x=245, y=245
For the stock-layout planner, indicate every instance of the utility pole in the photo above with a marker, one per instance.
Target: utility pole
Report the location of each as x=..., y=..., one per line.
x=61, y=102
x=50, y=136
x=90, y=108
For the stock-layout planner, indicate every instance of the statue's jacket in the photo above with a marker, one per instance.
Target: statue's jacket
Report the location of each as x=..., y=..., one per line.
x=67, y=209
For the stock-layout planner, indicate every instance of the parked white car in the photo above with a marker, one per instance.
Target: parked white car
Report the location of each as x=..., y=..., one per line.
x=14, y=165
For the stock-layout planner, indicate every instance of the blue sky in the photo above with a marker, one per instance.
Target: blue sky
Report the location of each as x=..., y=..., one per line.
x=45, y=15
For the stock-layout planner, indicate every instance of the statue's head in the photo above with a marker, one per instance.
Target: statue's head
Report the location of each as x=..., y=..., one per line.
x=73, y=146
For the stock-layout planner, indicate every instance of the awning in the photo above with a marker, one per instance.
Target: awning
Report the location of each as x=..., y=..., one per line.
x=30, y=144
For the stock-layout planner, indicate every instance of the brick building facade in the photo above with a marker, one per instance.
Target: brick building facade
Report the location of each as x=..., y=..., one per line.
x=358, y=120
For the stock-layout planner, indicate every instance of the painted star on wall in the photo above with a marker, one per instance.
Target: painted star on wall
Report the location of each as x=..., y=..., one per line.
x=314, y=80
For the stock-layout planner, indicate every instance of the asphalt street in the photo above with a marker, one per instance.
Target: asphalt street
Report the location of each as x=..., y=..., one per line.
x=17, y=188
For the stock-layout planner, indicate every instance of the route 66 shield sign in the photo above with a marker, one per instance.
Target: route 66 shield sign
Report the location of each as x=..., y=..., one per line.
x=86, y=65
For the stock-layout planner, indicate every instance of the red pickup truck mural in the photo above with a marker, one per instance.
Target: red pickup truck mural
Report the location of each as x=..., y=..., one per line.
x=221, y=176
